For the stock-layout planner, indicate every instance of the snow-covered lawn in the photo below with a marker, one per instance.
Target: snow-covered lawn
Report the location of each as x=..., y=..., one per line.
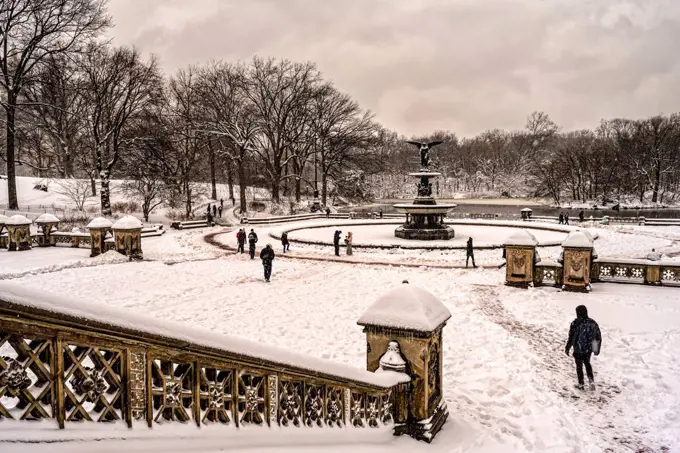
x=507, y=381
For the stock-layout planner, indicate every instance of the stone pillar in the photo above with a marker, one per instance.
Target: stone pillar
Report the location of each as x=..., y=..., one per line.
x=48, y=224
x=128, y=236
x=19, y=233
x=98, y=228
x=4, y=237
x=404, y=334
x=520, y=258
x=577, y=260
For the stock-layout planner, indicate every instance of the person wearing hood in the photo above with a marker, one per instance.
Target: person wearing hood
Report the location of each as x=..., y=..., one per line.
x=336, y=242
x=585, y=338
x=252, y=240
x=267, y=256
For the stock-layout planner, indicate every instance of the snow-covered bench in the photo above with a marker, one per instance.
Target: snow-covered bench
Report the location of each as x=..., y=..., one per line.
x=189, y=224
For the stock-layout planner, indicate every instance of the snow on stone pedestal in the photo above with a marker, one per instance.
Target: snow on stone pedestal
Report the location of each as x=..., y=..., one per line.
x=520, y=258
x=128, y=236
x=406, y=325
x=47, y=224
x=98, y=227
x=577, y=260
x=19, y=233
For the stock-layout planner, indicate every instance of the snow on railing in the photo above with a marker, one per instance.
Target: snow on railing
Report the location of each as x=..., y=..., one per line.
x=84, y=361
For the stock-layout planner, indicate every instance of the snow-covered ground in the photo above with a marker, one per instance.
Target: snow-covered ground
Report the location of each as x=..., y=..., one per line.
x=507, y=381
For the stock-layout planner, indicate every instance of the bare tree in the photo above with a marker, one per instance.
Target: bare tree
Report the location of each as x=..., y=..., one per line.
x=77, y=191
x=118, y=85
x=30, y=32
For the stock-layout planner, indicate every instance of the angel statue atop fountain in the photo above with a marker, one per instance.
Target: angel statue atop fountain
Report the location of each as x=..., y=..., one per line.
x=425, y=151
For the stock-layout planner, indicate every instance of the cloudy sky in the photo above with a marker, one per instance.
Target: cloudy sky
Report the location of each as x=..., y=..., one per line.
x=421, y=65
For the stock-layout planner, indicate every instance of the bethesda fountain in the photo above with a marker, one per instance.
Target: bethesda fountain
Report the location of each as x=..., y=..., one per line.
x=424, y=217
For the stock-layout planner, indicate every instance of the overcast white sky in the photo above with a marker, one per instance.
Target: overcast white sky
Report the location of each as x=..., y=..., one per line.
x=421, y=65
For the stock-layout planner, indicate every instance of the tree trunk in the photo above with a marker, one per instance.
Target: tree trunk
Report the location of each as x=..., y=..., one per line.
x=242, y=186
x=298, y=190
x=93, y=184
x=230, y=178
x=657, y=182
x=324, y=188
x=213, y=178
x=105, y=193
x=11, y=170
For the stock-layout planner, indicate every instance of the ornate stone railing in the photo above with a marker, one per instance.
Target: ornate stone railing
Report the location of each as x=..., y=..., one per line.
x=80, y=363
x=548, y=273
x=636, y=271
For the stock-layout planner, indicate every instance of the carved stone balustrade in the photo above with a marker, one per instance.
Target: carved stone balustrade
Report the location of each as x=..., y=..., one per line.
x=86, y=362
x=128, y=236
x=19, y=233
x=548, y=273
x=99, y=227
x=47, y=225
x=520, y=256
x=404, y=336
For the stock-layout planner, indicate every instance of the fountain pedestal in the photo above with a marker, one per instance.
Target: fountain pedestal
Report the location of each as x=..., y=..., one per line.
x=424, y=217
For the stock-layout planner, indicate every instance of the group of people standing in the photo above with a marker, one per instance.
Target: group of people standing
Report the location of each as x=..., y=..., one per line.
x=348, y=242
x=214, y=210
x=563, y=218
x=267, y=254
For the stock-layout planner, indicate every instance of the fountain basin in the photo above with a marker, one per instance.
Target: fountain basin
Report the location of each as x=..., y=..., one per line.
x=424, y=209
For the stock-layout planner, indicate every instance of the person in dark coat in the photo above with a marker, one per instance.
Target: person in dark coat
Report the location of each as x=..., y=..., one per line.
x=284, y=242
x=252, y=240
x=221, y=202
x=214, y=209
x=241, y=240
x=381, y=213
x=566, y=219
x=267, y=256
x=219, y=211
x=328, y=212
x=470, y=253
x=581, y=216
x=586, y=339
x=336, y=242
x=561, y=219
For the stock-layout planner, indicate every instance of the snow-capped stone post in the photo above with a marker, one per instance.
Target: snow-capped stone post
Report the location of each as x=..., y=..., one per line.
x=526, y=213
x=98, y=227
x=577, y=258
x=19, y=233
x=404, y=334
x=47, y=223
x=128, y=236
x=4, y=238
x=521, y=258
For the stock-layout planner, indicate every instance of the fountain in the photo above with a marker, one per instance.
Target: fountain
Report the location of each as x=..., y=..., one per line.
x=424, y=217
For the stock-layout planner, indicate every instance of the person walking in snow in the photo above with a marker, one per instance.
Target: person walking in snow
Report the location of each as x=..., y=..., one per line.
x=581, y=216
x=284, y=241
x=336, y=242
x=586, y=339
x=241, y=240
x=469, y=253
x=222, y=203
x=214, y=209
x=566, y=219
x=381, y=213
x=267, y=256
x=348, y=243
x=561, y=219
x=328, y=212
x=219, y=211
x=252, y=240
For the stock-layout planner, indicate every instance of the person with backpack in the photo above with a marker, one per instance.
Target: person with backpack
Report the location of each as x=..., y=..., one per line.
x=585, y=338
x=469, y=253
x=284, y=241
x=252, y=240
x=336, y=242
x=267, y=256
